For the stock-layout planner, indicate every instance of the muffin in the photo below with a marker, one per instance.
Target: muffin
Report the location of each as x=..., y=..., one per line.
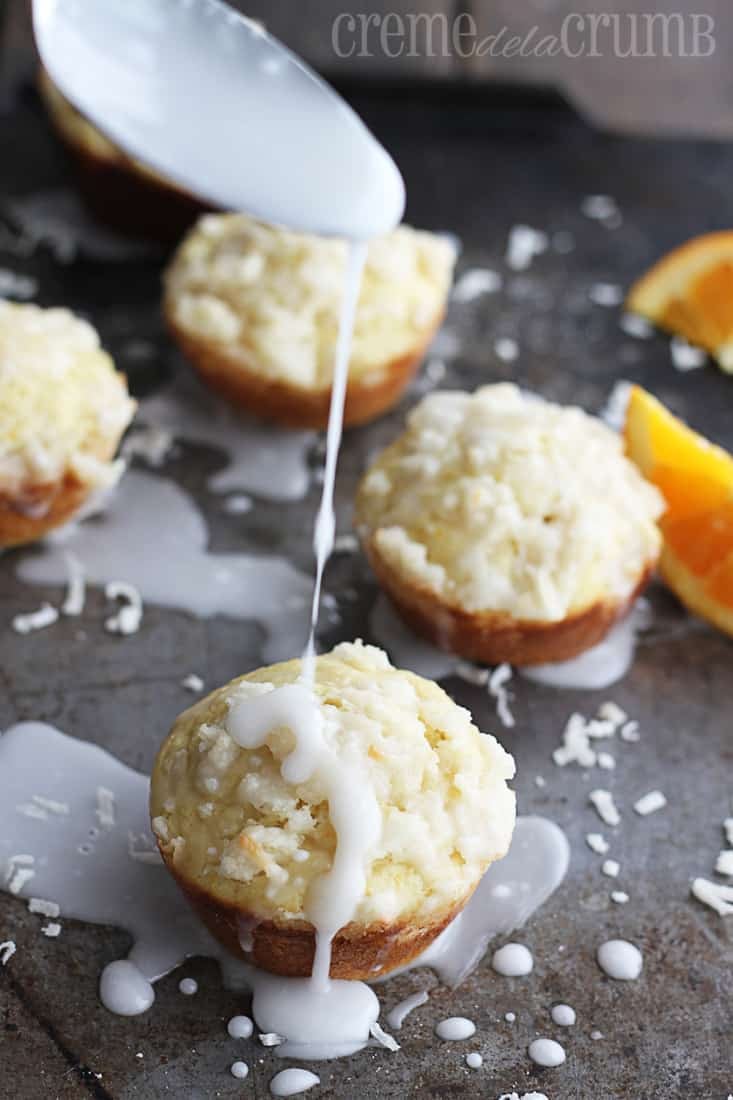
x=63, y=409
x=120, y=191
x=247, y=847
x=256, y=310
x=506, y=528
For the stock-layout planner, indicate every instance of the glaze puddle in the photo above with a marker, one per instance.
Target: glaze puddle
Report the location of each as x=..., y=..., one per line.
x=181, y=573
x=261, y=459
x=507, y=896
x=112, y=875
x=88, y=869
x=603, y=665
x=596, y=669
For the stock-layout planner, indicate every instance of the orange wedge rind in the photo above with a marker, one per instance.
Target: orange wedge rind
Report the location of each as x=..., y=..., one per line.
x=689, y=292
x=696, y=479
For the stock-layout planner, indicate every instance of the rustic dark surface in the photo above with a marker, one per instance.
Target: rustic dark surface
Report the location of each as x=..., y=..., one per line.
x=475, y=169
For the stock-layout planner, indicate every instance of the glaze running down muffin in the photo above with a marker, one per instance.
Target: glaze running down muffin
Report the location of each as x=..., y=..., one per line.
x=120, y=190
x=63, y=410
x=248, y=847
x=507, y=528
x=256, y=309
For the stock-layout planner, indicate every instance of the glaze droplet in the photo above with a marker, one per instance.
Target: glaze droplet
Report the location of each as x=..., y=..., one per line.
x=291, y=1082
x=455, y=1027
x=124, y=990
x=513, y=960
x=621, y=960
x=240, y=1027
x=546, y=1052
x=563, y=1015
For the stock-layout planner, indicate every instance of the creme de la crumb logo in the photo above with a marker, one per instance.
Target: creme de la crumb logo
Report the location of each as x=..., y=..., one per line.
x=589, y=34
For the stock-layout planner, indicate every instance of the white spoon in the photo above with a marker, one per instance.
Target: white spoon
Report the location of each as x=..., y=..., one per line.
x=203, y=95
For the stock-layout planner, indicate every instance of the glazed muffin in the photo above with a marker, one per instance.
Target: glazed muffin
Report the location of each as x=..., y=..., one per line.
x=256, y=310
x=63, y=409
x=247, y=847
x=121, y=191
x=506, y=528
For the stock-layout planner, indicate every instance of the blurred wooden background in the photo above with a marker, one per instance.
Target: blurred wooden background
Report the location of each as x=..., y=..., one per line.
x=654, y=94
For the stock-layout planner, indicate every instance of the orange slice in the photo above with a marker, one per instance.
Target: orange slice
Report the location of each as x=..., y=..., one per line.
x=696, y=479
x=690, y=292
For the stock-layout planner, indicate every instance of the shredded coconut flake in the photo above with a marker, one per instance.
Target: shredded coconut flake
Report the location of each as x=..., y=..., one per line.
x=506, y=349
x=345, y=544
x=650, y=803
x=523, y=245
x=597, y=843
x=50, y=909
x=271, y=1039
x=685, y=356
x=45, y=616
x=75, y=598
x=479, y=677
x=575, y=748
x=476, y=282
x=714, y=894
x=724, y=863
x=633, y=324
x=20, y=876
x=192, y=682
x=600, y=208
x=606, y=294
x=614, y=411
x=7, y=950
x=498, y=680
x=29, y=809
x=630, y=732
x=383, y=1038
x=613, y=713
x=611, y=868
x=127, y=620
x=15, y=285
x=606, y=761
x=605, y=807
x=152, y=444
x=524, y=1096
x=51, y=805
x=142, y=849
x=52, y=930
x=620, y=897
x=105, y=807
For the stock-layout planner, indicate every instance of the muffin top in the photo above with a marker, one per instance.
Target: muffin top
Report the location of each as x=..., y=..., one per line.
x=63, y=406
x=272, y=297
x=500, y=501
x=230, y=823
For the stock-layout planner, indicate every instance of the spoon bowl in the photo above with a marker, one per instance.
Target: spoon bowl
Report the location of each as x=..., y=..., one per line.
x=207, y=98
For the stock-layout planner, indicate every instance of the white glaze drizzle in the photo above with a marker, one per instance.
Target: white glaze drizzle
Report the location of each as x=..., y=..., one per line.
x=102, y=885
